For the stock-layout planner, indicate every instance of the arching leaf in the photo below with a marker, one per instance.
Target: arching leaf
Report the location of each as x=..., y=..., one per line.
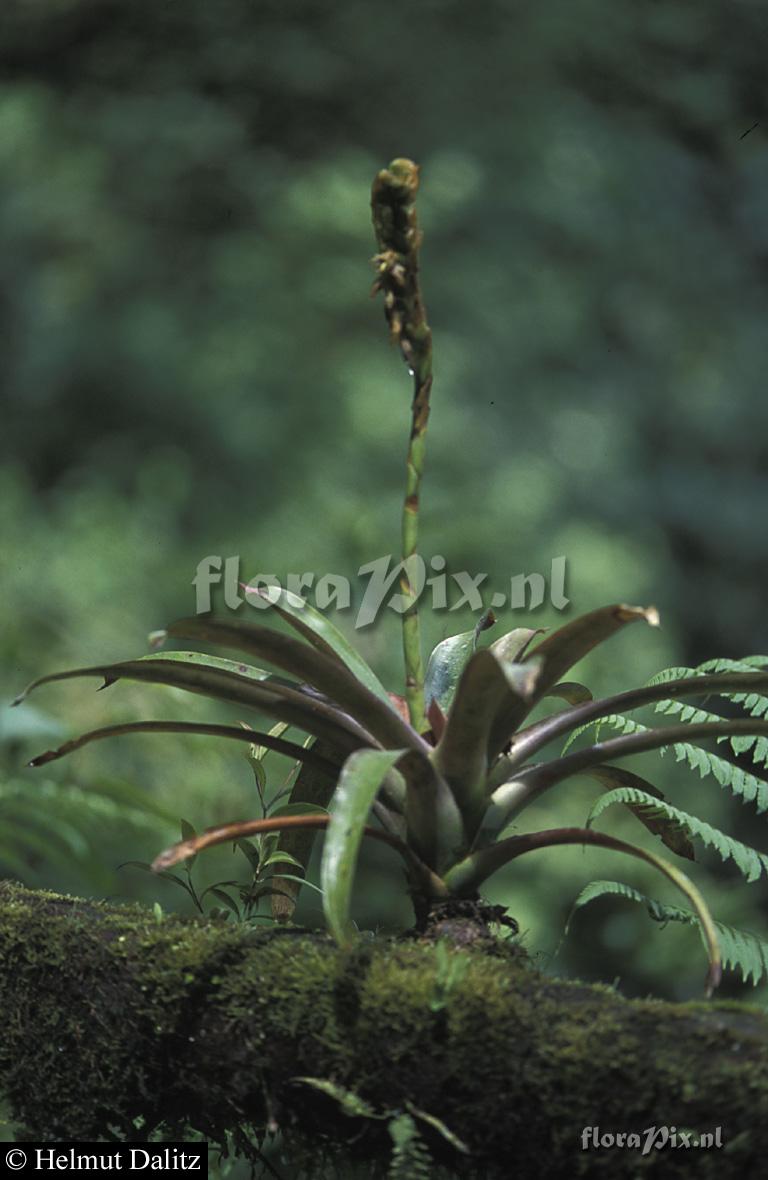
x=752, y=789
x=228, y=680
x=531, y=739
x=670, y=829
x=318, y=630
x=466, y=877
x=231, y=732
x=360, y=780
x=748, y=860
x=232, y=833
x=570, y=691
x=741, y=950
x=322, y=672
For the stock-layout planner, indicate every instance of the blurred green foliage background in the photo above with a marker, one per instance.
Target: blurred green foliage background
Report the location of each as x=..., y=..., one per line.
x=190, y=365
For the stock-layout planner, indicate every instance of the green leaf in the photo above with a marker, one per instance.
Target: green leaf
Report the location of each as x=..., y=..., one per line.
x=321, y=633
x=511, y=648
x=570, y=691
x=231, y=833
x=299, y=881
x=230, y=732
x=350, y=1103
x=312, y=788
x=434, y=824
x=445, y=666
x=488, y=688
x=147, y=868
x=259, y=752
x=188, y=833
x=528, y=741
x=251, y=854
x=740, y=782
x=754, y=703
x=410, y=1158
x=748, y=860
x=359, y=783
x=450, y=657
x=225, y=899
x=466, y=877
x=686, y=713
x=282, y=857
x=617, y=721
x=299, y=807
x=438, y=1125
x=187, y=830
x=322, y=672
x=671, y=830
x=228, y=680
x=748, y=786
x=741, y=950
x=558, y=652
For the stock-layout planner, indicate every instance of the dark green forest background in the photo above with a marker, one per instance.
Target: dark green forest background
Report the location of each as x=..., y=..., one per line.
x=191, y=365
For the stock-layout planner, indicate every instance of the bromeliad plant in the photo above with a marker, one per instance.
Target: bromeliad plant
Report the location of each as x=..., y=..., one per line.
x=440, y=773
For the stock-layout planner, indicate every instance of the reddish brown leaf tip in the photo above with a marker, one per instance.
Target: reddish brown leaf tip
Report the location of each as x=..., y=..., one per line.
x=436, y=718
x=401, y=706
x=627, y=613
x=170, y=857
x=41, y=759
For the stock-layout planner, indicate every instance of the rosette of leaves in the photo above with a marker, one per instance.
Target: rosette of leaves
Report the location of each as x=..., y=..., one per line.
x=443, y=798
x=441, y=772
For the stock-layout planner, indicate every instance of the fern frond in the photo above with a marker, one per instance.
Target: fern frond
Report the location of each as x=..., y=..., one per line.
x=739, y=745
x=749, y=787
x=410, y=1158
x=667, y=674
x=741, y=782
x=692, y=713
x=756, y=704
x=757, y=745
x=748, y=860
x=617, y=721
x=741, y=950
x=745, y=664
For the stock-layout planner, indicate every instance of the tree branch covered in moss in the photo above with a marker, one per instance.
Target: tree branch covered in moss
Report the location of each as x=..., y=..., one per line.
x=110, y=1016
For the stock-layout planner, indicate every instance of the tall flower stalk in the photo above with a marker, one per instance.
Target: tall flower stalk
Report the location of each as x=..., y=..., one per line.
x=444, y=795
x=393, y=203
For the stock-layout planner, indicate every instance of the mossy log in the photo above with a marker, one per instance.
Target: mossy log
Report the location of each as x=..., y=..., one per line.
x=110, y=1016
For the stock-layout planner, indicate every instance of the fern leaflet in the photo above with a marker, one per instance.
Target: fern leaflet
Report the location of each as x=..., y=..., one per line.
x=741, y=950
x=410, y=1158
x=615, y=721
x=748, y=860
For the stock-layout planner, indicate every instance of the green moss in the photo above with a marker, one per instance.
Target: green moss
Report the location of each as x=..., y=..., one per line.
x=110, y=1017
